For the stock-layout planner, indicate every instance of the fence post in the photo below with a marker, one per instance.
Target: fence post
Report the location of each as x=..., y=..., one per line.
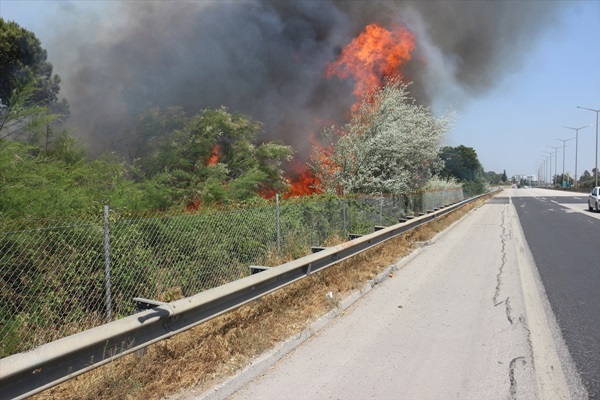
x=381, y=209
x=107, y=265
x=278, y=226
x=344, y=216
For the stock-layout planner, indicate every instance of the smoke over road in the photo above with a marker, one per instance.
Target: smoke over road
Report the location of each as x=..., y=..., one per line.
x=268, y=58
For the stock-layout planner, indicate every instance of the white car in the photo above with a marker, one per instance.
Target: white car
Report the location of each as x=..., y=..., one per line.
x=594, y=199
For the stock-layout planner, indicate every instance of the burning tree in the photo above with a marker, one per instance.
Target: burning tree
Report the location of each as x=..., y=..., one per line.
x=212, y=157
x=389, y=146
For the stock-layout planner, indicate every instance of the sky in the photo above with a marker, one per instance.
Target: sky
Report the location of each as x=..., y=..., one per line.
x=511, y=125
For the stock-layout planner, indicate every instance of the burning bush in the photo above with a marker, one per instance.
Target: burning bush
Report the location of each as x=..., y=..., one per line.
x=389, y=146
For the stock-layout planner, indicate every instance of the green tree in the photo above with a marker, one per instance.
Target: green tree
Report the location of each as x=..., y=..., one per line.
x=460, y=162
x=463, y=164
x=29, y=109
x=587, y=179
x=22, y=59
x=211, y=157
x=504, y=178
x=492, y=177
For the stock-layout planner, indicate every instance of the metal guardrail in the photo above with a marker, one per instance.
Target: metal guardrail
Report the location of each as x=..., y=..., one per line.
x=25, y=374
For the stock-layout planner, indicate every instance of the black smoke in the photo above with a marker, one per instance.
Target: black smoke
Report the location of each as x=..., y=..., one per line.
x=267, y=58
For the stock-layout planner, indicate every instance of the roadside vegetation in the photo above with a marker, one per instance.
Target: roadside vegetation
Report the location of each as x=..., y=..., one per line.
x=205, y=161
x=195, y=360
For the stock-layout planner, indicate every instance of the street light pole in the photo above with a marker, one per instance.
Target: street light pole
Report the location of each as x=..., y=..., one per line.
x=544, y=169
x=576, y=146
x=596, y=111
x=555, y=162
x=550, y=166
x=564, y=146
x=542, y=175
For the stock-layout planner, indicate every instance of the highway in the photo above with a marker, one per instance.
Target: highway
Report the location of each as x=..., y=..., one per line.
x=502, y=305
x=564, y=238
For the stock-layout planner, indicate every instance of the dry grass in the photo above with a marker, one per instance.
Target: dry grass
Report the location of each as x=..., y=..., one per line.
x=212, y=351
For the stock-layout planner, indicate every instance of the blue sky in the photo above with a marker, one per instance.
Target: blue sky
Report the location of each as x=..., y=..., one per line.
x=514, y=124
x=510, y=126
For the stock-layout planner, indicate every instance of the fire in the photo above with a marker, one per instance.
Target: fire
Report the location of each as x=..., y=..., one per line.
x=215, y=153
x=373, y=55
x=304, y=184
x=303, y=181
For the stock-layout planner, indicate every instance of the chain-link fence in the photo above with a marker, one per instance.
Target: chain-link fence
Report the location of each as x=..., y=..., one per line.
x=61, y=277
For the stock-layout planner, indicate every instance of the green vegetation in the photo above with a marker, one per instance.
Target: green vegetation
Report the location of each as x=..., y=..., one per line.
x=188, y=207
x=462, y=163
x=53, y=270
x=587, y=179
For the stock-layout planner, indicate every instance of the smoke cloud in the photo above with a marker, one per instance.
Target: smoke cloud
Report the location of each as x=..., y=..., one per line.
x=267, y=58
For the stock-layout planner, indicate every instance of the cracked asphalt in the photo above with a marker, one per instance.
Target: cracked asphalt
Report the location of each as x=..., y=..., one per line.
x=464, y=318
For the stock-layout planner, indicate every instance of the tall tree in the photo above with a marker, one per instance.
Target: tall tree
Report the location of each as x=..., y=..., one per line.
x=22, y=59
x=460, y=162
x=29, y=109
x=463, y=164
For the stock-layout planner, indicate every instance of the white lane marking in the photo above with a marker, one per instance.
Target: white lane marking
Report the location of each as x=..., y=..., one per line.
x=549, y=372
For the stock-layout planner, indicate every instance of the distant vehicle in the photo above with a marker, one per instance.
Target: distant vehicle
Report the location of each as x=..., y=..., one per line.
x=594, y=199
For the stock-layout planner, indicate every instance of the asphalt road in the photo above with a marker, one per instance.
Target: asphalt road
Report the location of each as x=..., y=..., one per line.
x=564, y=238
x=465, y=317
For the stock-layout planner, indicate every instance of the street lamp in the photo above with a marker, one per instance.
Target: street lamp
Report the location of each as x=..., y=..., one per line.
x=576, y=146
x=543, y=169
x=596, y=111
x=542, y=175
x=555, y=163
x=564, y=146
x=550, y=166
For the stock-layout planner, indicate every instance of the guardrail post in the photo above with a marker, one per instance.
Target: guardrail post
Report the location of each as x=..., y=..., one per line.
x=278, y=225
x=107, y=265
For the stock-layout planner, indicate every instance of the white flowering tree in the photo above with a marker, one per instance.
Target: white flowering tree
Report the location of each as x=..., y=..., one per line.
x=389, y=146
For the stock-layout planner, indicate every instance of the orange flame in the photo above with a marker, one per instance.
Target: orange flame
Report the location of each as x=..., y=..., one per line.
x=373, y=55
x=304, y=184
x=303, y=181
x=215, y=153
